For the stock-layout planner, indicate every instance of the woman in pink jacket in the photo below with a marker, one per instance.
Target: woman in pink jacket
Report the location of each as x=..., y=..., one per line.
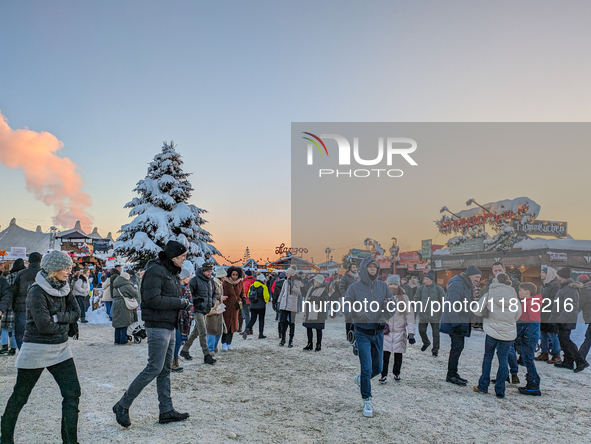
x=400, y=328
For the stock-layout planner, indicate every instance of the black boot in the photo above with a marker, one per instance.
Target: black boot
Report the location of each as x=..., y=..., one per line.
x=185, y=355
x=122, y=415
x=282, y=343
x=209, y=360
x=318, y=347
x=290, y=345
x=310, y=346
x=172, y=416
x=4, y=349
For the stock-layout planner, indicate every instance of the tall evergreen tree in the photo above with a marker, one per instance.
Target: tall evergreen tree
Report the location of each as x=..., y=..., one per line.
x=162, y=213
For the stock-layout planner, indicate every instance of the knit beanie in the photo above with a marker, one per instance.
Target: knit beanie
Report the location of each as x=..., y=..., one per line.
x=564, y=273
x=206, y=266
x=174, y=249
x=261, y=278
x=431, y=275
x=290, y=271
x=55, y=261
x=248, y=273
x=393, y=279
x=472, y=270
x=184, y=274
x=583, y=278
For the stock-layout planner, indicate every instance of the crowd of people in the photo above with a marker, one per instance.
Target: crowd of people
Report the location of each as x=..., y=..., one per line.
x=42, y=304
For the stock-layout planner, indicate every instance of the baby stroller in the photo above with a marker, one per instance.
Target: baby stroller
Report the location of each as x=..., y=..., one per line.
x=137, y=334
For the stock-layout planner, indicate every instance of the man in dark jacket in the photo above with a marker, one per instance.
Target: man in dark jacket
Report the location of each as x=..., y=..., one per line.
x=565, y=311
x=21, y=285
x=161, y=303
x=585, y=307
x=429, y=313
x=456, y=321
x=5, y=296
x=203, y=292
x=371, y=304
x=347, y=280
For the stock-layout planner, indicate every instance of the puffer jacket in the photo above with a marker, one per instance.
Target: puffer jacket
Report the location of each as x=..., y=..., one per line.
x=290, y=294
x=81, y=287
x=346, y=281
x=5, y=295
x=504, y=309
x=263, y=293
x=123, y=316
x=370, y=290
x=203, y=291
x=457, y=322
x=400, y=325
x=43, y=302
x=317, y=317
x=566, y=311
x=161, y=296
x=585, y=302
x=426, y=295
x=549, y=291
x=20, y=287
x=248, y=281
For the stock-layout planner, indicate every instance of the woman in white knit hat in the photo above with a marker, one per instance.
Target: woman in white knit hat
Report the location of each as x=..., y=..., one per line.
x=52, y=315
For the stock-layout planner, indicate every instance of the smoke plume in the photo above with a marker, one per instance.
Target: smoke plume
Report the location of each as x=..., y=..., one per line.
x=52, y=179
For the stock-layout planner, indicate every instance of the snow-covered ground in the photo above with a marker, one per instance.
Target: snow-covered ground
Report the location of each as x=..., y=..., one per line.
x=264, y=393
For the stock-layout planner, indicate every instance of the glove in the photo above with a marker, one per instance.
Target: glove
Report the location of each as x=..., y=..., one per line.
x=411, y=339
x=186, y=305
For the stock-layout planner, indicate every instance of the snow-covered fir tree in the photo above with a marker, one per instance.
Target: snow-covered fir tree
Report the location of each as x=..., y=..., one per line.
x=246, y=256
x=162, y=213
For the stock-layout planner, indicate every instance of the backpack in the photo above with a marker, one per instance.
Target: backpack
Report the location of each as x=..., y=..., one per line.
x=253, y=294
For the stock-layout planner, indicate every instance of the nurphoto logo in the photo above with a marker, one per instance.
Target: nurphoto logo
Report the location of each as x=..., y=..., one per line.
x=402, y=146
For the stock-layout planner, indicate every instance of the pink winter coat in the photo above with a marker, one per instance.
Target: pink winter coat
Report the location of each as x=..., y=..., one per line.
x=395, y=341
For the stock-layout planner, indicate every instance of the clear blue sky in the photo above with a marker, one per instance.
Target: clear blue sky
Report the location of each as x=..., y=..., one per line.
x=113, y=79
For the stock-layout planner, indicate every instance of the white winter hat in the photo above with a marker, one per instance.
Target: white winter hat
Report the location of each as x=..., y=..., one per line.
x=55, y=261
x=184, y=274
x=261, y=278
x=125, y=275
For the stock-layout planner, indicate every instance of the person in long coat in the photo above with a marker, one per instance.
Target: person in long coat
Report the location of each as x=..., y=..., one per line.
x=123, y=317
x=401, y=328
x=234, y=289
x=314, y=319
x=214, y=321
x=288, y=304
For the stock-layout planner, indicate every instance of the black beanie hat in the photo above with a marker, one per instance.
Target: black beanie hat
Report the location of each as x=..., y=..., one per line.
x=472, y=270
x=35, y=258
x=430, y=274
x=174, y=249
x=248, y=273
x=564, y=273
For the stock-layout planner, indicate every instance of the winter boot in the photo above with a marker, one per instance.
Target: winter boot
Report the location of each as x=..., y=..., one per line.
x=529, y=391
x=555, y=359
x=290, y=344
x=262, y=336
x=282, y=343
x=172, y=416
x=122, y=415
x=515, y=379
x=318, y=347
x=11, y=352
x=425, y=346
x=4, y=349
x=310, y=346
x=176, y=368
x=542, y=357
x=581, y=367
x=185, y=355
x=207, y=359
x=567, y=365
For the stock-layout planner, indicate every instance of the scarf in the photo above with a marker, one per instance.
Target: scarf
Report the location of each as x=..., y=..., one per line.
x=53, y=287
x=232, y=281
x=355, y=275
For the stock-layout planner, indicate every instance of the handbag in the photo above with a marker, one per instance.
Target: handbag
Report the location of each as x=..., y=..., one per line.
x=131, y=304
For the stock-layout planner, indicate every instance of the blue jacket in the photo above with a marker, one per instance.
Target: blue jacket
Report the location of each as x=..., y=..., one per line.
x=457, y=321
x=366, y=289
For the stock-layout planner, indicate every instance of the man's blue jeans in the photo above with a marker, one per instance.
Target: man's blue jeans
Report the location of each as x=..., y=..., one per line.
x=512, y=359
x=546, y=338
x=370, y=344
x=529, y=334
x=584, y=348
x=502, y=347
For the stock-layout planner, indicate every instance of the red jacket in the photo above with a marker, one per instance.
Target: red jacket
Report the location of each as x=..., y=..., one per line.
x=248, y=281
x=532, y=307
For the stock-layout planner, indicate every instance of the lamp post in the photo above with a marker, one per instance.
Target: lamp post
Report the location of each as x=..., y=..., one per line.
x=327, y=251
